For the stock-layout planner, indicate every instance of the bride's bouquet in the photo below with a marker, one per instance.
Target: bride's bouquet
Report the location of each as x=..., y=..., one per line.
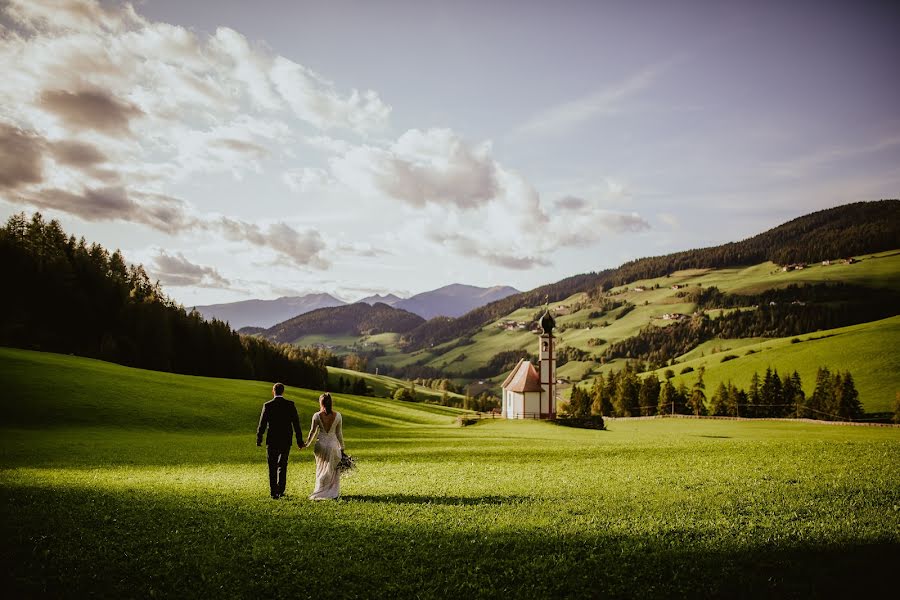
x=347, y=466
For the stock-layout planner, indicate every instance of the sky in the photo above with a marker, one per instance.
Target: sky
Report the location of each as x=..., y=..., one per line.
x=260, y=149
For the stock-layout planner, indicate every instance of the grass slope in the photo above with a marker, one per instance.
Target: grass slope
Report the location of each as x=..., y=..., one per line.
x=868, y=351
x=658, y=298
x=383, y=385
x=116, y=481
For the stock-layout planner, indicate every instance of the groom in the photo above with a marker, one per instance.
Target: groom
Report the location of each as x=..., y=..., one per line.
x=280, y=416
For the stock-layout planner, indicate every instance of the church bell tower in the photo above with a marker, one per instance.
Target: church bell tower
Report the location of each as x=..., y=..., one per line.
x=547, y=354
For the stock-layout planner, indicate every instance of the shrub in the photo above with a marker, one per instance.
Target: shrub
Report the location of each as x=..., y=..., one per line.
x=404, y=394
x=591, y=422
x=728, y=357
x=687, y=370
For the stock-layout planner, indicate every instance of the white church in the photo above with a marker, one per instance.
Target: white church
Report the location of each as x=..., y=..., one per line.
x=529, y=392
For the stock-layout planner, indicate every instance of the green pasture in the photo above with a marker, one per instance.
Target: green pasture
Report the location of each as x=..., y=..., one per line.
x=383, y=385
x=658, y=298
x=122, y=482
x=868, y=351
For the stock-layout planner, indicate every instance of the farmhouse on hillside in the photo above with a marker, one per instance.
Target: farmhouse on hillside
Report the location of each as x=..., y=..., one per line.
x=529, y=393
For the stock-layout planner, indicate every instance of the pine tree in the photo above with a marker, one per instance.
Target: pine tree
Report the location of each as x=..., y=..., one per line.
x=697, y=399
x=667, y=395
x=753, y=397
x=818, y=405
x=648, y=396
x=681, y=399
x=718, y=405
x=848, y=404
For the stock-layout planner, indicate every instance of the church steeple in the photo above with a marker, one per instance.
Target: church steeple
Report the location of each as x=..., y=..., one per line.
x=547, y=354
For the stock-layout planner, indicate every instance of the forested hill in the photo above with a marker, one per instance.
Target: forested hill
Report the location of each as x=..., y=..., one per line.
x=858, y=228
x=71, y=297
x=353, y=319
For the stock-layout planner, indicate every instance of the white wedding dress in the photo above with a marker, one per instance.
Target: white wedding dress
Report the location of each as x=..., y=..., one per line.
x=327, y=450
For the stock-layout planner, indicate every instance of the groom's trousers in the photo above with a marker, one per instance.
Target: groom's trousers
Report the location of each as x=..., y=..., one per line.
x=278, y=463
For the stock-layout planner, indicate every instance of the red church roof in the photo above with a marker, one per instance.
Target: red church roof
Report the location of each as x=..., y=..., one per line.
x=524, y=378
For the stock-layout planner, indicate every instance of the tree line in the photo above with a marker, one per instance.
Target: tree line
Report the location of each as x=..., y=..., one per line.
x=65, y=295
x=624, y=394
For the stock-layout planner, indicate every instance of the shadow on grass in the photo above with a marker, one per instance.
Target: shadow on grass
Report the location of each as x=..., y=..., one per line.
x=91, y=542
x=716, y=437
x=435, y=500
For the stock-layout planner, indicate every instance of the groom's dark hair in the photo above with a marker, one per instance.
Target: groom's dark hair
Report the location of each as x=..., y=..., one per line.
x=278, y=388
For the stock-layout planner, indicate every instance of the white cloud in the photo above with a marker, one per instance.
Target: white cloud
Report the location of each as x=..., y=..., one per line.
x=293, y=247
x=177, y=271
x=158, y=101
x=306, y=178
x=315, y=100
x=422, y=167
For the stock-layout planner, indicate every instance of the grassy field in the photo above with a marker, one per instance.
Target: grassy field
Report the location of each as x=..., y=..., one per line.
x=383, y=385
x=868, y=351
x=117, y=481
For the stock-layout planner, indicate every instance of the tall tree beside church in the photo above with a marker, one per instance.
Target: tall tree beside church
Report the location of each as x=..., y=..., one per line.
x=600, y=400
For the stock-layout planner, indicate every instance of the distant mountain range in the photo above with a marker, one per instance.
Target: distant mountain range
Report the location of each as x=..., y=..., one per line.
x=453, y=300
x=265, y=313
x=450, y=301
x=389, y=299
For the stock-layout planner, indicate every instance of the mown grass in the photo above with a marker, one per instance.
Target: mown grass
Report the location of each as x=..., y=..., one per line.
x=122, y=487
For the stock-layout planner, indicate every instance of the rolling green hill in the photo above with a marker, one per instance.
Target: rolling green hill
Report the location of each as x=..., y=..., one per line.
x=119, y=482
x=868, y=351
x=584, y=326
x=352, y=319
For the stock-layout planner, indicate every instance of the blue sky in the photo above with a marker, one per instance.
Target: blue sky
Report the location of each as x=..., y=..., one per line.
x=261, y=149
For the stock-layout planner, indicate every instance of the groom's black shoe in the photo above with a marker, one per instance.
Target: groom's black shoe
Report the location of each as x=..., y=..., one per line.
x=276, y=496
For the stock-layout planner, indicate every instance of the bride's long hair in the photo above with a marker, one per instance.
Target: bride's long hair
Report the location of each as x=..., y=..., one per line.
x=325, y=401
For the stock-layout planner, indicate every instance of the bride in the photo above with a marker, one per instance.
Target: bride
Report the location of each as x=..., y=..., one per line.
x=326, y=424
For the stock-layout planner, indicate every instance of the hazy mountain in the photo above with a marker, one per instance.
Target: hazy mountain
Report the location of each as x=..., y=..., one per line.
x=389, y=299
x=265, y=313
x=453, y=300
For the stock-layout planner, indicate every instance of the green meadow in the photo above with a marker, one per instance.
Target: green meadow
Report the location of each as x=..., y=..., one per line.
x=123, y=482
x=881, y=270
x=868, y=351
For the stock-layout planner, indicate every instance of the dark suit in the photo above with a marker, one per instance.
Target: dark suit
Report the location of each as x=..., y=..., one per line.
x=281, y=419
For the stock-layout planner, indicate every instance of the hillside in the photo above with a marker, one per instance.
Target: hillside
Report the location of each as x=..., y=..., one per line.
x=589, y=328
x=352, y=319
x=266, y=313
x=840, y=232
x=866, y=350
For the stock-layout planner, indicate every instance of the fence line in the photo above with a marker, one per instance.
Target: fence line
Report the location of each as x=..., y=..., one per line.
x=790, y=420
